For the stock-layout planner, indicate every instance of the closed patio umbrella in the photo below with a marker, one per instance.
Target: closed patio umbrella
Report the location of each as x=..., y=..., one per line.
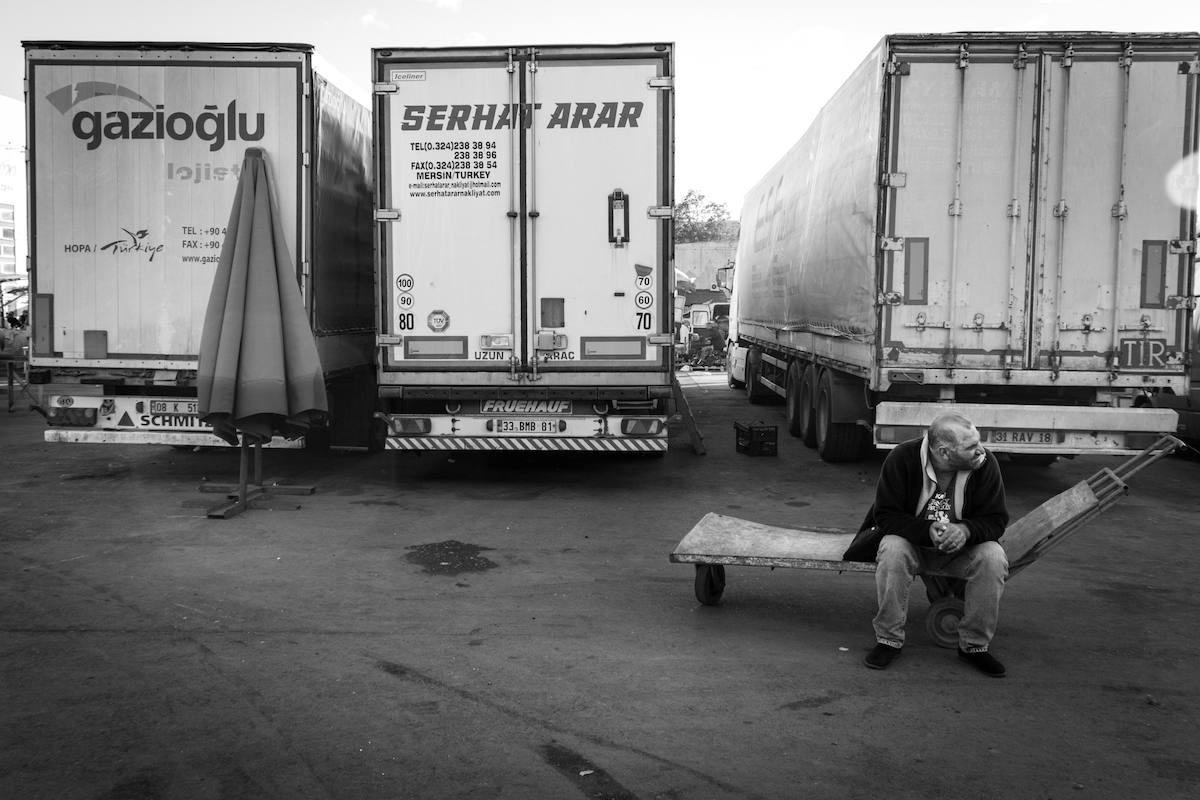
x=259, y=371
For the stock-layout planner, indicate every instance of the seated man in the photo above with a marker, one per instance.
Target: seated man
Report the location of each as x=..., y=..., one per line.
x=939, y=505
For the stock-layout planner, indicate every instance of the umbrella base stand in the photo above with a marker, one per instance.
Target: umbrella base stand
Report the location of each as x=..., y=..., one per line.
x=245, y=495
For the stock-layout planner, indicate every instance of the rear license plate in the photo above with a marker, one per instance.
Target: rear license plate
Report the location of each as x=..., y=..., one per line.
x=1022, y=437
x=525, y=427
x=174, y=407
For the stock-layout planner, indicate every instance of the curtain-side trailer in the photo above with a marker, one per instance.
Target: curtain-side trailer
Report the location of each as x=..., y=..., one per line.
x=1001, y=220
x=524, y=247
x=135, y=150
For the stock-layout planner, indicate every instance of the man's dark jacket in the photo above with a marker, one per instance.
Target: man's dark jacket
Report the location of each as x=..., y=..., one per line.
x=899, y=490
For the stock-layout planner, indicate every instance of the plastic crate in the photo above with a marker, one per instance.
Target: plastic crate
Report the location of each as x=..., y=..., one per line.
x=756, y=439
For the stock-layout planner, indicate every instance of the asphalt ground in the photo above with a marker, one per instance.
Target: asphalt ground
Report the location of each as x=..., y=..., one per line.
x=509, y=626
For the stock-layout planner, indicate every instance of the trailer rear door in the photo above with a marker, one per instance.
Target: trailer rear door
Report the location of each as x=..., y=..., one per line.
x=1117, y=122
x=525, y=200
x=135, y=155
x=1028, y=223
x=957, y=211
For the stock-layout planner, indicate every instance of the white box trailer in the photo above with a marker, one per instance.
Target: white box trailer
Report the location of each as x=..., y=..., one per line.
x=1000, y=220
x=134, y=152
x=524, y=247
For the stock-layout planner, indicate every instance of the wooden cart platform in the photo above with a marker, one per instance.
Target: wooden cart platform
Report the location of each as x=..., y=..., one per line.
x=717, y=541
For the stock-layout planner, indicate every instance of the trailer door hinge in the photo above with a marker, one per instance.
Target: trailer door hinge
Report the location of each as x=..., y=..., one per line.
x=307, y=88
x=1126, y=59
x=891, y=243
x=385, y=88
x=661, y=82
x=386, y=215
x=306, y=158
x=1022, y=57
x=955, y=209
x=898, y=68
x=1014, y=208
x=1120, y=211
x=1180, y=247
x=1189, y=67
x=304, y=269
x=660, y=212
x=964, y=56
x=1060, y=210
x=895, y=179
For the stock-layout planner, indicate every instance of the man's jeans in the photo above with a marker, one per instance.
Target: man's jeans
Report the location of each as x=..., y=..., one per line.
x=984, y=566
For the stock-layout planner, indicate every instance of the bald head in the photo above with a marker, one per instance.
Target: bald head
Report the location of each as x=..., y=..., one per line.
x=949, y=428
x=954, y=443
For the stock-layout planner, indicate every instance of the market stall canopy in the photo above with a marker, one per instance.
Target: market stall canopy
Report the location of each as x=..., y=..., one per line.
x=259, y=370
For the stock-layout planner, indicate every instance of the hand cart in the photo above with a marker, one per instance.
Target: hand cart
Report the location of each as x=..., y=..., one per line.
x=717, y=541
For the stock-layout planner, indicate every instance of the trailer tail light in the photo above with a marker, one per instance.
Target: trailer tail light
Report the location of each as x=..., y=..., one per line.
x=411, y=425
x=895, y=434
x=1140, y=441
x=71, y=417
x=502, y=341
x=641, y=426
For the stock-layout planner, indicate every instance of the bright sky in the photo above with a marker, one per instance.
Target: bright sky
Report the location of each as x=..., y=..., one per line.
x=751, y=74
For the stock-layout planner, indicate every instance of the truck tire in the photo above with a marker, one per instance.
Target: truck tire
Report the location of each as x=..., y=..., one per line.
x=836, y=441
x=791, y=398
x=756, y=393
x=808, y=415
x=377, y=436
x=799, y=414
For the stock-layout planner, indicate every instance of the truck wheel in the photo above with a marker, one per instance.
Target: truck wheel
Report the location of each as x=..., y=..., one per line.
x=710, y=583
x=941, y=622
x=808, y=416
x=756, y=393
x=840, y=441
x=377, y=436
x=796, y=422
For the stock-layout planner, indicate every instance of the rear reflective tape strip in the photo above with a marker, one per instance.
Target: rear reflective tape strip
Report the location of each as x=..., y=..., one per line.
x=514, y=443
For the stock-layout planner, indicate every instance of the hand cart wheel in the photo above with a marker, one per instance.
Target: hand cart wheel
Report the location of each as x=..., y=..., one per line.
x=710, y=583
x=942, y=621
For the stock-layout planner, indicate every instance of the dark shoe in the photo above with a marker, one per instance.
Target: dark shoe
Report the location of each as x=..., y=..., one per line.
x=882, y=655
x=984, y=662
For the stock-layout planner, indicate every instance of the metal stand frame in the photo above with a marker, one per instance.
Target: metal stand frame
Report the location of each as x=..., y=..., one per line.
x=685, y=411
x=14, y=380
x=245, y=495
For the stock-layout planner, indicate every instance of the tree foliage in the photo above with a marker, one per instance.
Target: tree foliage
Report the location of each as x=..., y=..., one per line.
x=697, y=220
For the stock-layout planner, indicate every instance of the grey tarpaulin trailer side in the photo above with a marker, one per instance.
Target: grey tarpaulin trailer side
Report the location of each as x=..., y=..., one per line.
x=717, y=541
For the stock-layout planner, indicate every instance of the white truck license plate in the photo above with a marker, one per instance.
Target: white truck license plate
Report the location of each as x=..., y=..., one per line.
x=525, y=427
x=1022, y=437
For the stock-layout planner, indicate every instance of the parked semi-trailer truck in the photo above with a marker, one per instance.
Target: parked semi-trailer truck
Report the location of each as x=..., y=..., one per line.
x=135, y=151
x=1003, y=221
x=524, y=223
